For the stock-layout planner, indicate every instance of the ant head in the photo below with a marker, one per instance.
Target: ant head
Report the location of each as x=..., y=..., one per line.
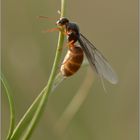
x=62, y=21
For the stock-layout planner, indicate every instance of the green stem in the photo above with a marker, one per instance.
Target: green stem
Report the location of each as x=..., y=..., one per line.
x=11, y=105
x=46, y=93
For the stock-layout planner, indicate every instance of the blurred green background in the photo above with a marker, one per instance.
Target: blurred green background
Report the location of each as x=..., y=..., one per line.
x=28, y=54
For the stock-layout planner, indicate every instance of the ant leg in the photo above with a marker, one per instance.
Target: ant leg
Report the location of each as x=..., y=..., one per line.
x=70, y=44
x=55, y=29
x=52, y=30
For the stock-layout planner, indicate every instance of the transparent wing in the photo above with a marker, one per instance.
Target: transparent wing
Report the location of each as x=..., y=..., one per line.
x=97, y=60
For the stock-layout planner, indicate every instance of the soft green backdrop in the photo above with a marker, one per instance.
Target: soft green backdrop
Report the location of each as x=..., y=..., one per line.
x=27, y=57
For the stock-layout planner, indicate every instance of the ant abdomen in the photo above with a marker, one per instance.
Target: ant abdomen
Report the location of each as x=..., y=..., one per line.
x=72, y=61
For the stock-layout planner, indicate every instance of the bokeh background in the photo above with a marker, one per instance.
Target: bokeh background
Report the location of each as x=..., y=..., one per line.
x=27, y=58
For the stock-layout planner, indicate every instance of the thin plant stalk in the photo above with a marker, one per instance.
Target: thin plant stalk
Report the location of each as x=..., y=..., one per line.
x=46, y=93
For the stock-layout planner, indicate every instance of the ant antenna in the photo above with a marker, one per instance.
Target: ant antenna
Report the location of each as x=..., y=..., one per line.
x=49, y=18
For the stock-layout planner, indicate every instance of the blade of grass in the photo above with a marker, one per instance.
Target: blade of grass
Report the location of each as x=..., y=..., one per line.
x=11, y=106
x=48, y=88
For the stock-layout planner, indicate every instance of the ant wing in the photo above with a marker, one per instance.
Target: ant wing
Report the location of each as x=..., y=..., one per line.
x=97, y=60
